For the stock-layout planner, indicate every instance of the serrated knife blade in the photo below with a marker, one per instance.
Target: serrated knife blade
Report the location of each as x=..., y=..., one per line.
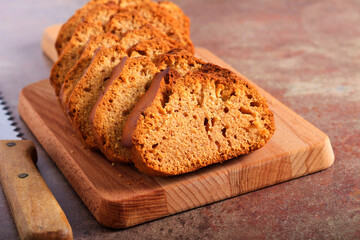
x=36, y=212
x=7, y=126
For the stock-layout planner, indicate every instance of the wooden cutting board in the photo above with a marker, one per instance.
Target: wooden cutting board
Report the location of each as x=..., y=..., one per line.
x=119, y=196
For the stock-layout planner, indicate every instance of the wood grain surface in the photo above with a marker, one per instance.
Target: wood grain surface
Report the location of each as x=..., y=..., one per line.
x=119, y=196
x=36, y=212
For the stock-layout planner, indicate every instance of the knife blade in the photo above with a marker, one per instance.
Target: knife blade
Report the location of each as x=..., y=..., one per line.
x=36, y=212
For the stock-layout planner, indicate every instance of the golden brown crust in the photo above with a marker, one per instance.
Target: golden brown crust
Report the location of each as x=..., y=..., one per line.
x=180, y=60
x=152, y=48
x=88, y=13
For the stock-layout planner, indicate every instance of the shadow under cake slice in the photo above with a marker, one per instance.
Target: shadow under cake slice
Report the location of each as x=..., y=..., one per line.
x=198, y=120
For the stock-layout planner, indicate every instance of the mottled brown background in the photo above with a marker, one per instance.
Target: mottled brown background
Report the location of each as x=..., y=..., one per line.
x=305, y=53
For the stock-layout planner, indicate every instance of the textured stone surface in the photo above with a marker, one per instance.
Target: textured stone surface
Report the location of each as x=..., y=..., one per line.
x=305, y=53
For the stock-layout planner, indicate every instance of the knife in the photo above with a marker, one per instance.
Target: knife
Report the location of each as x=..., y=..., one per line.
x=36, y=212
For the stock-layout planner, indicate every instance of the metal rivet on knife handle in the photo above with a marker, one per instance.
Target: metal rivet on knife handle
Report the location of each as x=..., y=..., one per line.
x=23, y=175
x=10, y=144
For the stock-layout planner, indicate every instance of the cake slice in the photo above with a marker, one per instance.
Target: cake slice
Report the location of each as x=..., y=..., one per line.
x=159, y=43
x=114, y=105
x=120, y=24
x=78, y=70
x=87, y=90
x=197, y=120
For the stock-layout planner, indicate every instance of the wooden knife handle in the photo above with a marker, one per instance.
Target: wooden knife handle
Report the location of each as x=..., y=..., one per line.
x=36, y=212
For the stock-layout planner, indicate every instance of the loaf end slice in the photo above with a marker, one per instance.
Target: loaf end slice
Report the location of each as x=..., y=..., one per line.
x=68, y=28
x=93, y=12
